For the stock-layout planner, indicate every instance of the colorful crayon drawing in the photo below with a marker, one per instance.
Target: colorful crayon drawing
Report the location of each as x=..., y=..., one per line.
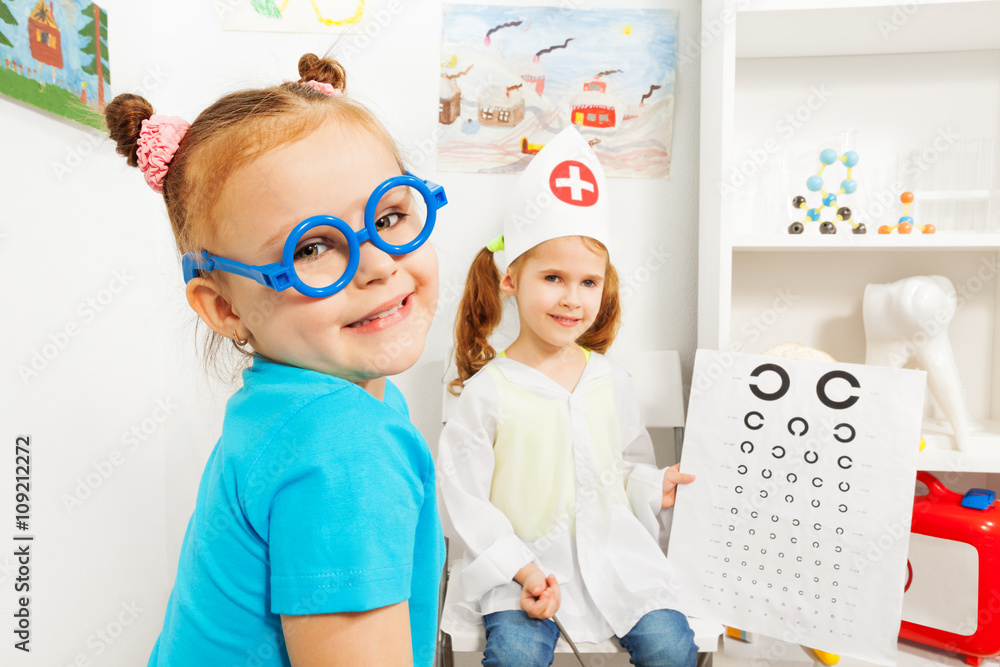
x=55, y=56
x=293, y=15
x=513, y=77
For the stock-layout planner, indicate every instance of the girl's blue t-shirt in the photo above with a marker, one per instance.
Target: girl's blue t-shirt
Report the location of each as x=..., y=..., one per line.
x=318, y=498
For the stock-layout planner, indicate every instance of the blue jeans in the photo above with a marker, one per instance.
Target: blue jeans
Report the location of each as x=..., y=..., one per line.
x=661, y=638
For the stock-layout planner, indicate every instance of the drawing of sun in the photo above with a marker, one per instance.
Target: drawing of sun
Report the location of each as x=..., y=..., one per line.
x=274, y=10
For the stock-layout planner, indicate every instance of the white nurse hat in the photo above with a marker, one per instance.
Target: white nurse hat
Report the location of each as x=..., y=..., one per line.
x=561, y=193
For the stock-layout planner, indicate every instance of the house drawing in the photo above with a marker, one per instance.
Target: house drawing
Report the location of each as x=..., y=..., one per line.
x=593, y=107
x=501, y=105
x=449, y=100
x=44, y=36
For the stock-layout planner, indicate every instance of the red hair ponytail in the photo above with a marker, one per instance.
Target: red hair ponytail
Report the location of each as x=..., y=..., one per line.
x=478, y=316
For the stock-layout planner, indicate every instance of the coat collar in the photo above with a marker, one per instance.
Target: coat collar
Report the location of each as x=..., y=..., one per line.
x=524, y=375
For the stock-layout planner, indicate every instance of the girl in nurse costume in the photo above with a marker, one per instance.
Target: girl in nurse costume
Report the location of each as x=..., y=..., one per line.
x=546, y=476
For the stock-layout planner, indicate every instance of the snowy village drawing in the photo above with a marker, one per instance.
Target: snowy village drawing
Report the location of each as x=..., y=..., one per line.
x=54, y=55
x=513, y=77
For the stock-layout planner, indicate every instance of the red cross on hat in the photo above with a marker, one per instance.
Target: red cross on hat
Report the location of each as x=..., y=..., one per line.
x=572, y=182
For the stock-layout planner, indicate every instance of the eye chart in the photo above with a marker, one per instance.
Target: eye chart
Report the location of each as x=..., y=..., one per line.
x=798, y=523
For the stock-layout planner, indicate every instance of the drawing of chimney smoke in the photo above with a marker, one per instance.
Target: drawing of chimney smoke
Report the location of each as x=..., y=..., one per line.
x=634, y=110
x=463, y=73
x=533, y=73
x=499, y=27
x=539, y=54
x=649, y=94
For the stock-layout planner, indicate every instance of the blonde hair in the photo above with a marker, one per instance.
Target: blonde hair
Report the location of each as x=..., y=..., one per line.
x=481, y=308
x=232, y=133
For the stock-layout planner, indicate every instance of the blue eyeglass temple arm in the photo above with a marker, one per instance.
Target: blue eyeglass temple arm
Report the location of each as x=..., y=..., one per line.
x=273, y=275
x=437, y=192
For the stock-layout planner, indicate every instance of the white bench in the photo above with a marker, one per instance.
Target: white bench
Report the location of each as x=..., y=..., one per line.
x=471, y=640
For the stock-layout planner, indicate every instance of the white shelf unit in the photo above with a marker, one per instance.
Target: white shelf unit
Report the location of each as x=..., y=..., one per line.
x=899, y=76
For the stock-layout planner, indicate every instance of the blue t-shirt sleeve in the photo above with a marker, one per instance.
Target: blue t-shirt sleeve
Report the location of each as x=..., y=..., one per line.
x=342, y=511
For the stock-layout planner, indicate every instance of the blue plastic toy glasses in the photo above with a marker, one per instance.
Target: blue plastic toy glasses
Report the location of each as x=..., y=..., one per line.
x=321, y=253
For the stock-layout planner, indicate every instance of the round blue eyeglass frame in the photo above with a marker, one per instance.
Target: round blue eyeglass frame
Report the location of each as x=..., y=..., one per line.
x=281, y=275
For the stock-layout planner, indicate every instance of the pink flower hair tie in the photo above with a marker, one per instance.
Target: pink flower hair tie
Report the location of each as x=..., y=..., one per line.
x=159, y=138
x=323, y=88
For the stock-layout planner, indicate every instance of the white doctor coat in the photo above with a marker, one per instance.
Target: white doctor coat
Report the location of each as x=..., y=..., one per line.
x=530, y=472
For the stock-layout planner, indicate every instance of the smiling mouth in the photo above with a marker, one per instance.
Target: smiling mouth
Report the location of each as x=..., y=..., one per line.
x=383, y=316
x=566, y=321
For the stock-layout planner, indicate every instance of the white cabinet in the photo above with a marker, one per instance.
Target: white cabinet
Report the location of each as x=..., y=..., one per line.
x=917, y=86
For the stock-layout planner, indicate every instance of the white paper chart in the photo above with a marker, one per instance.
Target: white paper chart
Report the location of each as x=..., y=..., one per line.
x=798, y=522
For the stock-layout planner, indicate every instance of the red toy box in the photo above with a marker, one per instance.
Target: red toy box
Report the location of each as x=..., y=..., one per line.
x=952, y=598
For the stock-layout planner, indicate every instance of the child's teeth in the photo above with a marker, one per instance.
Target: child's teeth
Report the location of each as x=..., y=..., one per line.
x=386, y=313
x=376, y=316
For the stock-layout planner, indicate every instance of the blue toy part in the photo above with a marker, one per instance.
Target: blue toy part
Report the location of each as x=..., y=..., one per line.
x=434, y=198
x=282, y=275
x=815, y=184
x=978, y=499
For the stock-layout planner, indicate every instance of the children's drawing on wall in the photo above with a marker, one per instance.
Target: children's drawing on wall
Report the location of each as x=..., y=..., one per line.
x=55, y=56
x=513, y=77
x=293, y=15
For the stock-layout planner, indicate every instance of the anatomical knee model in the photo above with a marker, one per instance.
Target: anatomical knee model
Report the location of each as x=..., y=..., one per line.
x=908, y=321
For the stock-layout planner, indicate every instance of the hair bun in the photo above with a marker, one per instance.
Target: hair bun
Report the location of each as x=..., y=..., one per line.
x=124, y=116
x=324, y=70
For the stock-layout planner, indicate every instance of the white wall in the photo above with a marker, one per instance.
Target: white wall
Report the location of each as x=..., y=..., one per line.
x=78, y=227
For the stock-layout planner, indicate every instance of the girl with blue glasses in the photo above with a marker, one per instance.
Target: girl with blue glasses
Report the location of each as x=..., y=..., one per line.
x=315, y=538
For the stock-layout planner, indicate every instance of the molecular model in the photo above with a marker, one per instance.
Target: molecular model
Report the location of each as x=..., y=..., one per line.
x=906, y=224
x=815, y=184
